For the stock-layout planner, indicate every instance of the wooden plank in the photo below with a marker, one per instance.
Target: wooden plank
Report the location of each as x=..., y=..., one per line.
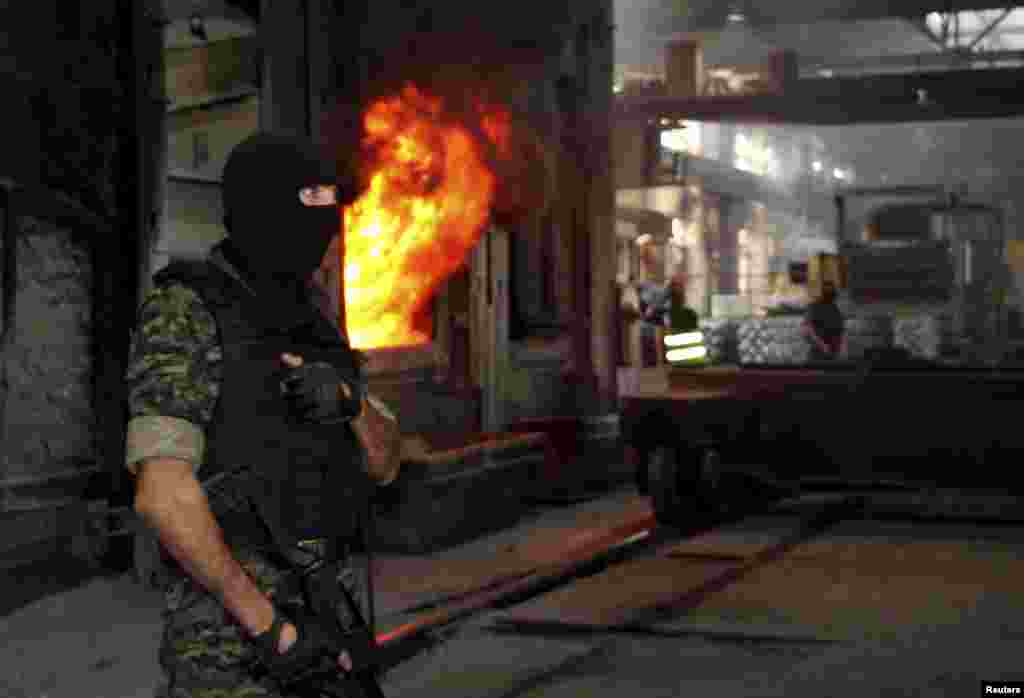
x=569, y=563
x=410, y=584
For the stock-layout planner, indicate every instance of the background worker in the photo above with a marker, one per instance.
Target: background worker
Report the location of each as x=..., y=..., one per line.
x=825, y=327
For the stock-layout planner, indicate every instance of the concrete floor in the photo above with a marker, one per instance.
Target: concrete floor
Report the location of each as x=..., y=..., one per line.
x=866, y=608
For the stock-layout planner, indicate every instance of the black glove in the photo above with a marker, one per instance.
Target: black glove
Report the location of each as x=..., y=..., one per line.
x=316, y=392
x=314, y=651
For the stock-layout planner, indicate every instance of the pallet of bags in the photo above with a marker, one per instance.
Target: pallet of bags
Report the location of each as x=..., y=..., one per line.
x=772, y=341
x=922, y=335
x=721, y=339
x=868, y=332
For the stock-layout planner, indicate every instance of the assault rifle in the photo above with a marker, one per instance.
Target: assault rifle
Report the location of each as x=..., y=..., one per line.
x=325, y=596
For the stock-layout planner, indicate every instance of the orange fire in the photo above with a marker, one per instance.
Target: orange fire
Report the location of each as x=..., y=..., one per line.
x=428, y=200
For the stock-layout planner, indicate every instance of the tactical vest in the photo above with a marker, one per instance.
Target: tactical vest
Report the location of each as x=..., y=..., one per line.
x=302, y=480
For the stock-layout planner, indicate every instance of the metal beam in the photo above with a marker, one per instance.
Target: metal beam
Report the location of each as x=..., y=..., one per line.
x=990, y=28
x=923, y=97
x=909, y=63
x=937, y=193
x=711, y=15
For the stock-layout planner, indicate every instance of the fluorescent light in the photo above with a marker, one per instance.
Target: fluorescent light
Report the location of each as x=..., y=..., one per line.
x=684, y=338
x=687, y=354
x=838, y=174
x=736, y=15
x=816, y=166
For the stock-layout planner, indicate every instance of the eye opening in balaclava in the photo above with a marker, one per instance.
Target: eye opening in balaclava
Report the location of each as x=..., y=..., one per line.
x=278, y=209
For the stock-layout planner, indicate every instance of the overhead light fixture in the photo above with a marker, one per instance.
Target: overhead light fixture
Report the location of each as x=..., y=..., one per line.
x=736, y=15
x=197, y=26
x=816, y=166
x=839, y=174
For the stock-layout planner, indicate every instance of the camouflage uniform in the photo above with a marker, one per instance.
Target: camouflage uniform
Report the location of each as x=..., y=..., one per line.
x=173, y=384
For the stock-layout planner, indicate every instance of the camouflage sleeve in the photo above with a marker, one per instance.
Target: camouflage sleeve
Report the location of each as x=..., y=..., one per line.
x=173, y=377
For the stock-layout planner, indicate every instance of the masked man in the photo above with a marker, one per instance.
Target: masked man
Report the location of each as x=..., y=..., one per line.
x=252, y=438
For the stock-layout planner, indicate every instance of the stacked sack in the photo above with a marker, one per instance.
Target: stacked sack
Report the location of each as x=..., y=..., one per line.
x=777, y=340
x=866, y=332
x=922, y=335
x=720, y=336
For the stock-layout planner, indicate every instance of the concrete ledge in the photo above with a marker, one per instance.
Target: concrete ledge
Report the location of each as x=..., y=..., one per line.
x=585, y=453
x=456, y=492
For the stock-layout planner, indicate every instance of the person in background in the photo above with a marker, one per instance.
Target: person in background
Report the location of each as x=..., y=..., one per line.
x=629, y=299
x=825, y=327
x=655, y=302
x=681, y=317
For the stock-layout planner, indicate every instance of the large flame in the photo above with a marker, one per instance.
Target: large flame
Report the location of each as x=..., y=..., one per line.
x=429, y=197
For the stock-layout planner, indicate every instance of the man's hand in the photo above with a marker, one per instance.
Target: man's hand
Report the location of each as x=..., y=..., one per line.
x=170, y=500
x=317, y=393
x=299, y=646
x=289, y=634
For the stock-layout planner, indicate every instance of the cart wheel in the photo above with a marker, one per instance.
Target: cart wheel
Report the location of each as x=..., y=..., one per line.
x=663, y=484
x=684, y=483
x=710, y=471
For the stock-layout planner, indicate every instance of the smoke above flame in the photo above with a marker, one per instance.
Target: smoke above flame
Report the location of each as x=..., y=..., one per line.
x=429, y=197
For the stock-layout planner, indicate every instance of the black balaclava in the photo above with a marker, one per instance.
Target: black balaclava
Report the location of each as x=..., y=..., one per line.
x=274, y=239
